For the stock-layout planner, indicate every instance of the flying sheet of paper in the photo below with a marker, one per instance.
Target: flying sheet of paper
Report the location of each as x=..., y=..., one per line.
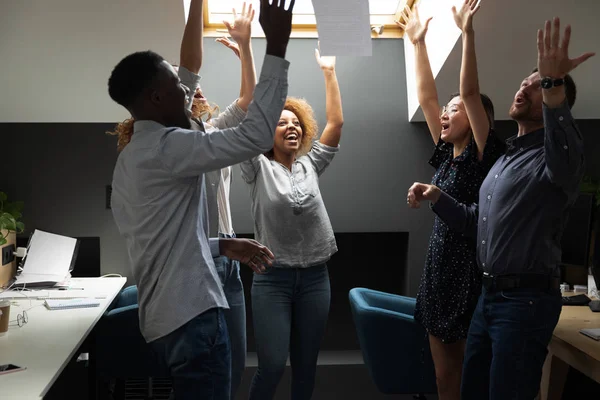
x=344, y=27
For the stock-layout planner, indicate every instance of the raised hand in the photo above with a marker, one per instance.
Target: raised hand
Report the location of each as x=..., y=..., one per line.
x=412, y=26
x=419, y=192
x=327, y=63
x=240, y=28
x=464, y=16
x=553, y=54
x=276, y=23
x=230, y=44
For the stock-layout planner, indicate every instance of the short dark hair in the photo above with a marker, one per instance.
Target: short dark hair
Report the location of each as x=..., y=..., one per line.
x=132, y=75
x=487, y=105
x=570, y=89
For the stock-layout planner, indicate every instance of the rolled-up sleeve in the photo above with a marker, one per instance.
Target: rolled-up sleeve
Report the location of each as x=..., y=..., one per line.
x=191, y=80
x=250, y=169
x=321, y=156
x=563, y=147
x=231, y=117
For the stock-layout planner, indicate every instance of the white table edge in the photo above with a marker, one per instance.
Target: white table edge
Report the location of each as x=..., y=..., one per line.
x=87, y=333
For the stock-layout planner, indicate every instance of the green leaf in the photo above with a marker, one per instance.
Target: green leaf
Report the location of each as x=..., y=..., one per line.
x=3, y=196
x=20, y=227
x=7, y=221
x=14, y=209
x=2, y=241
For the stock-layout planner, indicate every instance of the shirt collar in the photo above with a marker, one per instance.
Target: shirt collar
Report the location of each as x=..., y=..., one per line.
x=449, y=147
x=146, y=125
x=532, y=139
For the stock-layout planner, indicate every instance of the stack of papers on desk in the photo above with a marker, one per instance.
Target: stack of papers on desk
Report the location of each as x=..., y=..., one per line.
x=49, y=260
x=71, y=303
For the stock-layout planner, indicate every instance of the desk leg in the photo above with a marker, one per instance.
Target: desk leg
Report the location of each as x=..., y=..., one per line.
x=554, y=376
x=92, y=379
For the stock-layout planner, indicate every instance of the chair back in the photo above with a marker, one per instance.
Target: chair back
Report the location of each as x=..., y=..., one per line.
x=395, y=348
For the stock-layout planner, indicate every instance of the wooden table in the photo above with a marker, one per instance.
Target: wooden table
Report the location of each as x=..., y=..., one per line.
x=570, y=348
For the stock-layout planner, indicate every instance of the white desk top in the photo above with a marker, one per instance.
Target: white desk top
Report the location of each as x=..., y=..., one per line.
x=50, y=338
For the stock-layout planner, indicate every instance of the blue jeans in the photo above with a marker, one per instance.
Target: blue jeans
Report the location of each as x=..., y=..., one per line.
x=198, y=357
x=235, y=316
x=290, y=308
x=507, y=344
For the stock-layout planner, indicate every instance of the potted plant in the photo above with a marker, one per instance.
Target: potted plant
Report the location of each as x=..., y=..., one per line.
x=10, y=218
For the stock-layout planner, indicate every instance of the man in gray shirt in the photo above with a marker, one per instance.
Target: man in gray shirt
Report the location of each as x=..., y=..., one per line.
x=523, y=205
x=159, y=205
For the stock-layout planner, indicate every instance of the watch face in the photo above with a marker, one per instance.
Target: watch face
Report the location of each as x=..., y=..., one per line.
x=546, y=83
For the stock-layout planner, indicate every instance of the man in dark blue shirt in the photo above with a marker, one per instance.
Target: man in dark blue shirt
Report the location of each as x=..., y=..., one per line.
x=523, y=205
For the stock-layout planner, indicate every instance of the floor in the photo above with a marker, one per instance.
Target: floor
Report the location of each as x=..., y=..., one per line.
x=340, y=375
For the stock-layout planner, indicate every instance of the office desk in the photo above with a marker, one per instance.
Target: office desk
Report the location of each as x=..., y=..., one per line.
x=569, y=348
x=50, y=339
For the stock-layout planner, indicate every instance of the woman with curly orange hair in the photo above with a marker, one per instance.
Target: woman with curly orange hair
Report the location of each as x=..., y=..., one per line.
x=290, y=301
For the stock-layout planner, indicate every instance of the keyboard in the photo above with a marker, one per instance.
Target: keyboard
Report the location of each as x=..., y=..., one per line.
x=577, y=300
x=595, y=305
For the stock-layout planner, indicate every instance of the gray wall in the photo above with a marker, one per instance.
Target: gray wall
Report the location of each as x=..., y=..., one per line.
x=60, y=170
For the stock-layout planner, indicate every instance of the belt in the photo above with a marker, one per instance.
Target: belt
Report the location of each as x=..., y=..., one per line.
x=520, y=281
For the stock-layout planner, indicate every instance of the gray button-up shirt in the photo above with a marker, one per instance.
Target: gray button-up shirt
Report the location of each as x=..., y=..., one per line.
x=524, y=200
x=289, y=214
x=159, y=204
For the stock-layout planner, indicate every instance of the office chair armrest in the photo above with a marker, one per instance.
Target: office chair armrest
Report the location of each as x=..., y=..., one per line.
x=123, y=321
x=120, y=313
x=387, y=314
x=373, y=299
x=127, y=297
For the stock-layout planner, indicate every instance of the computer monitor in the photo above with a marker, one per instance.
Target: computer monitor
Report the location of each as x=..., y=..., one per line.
x=576, y=236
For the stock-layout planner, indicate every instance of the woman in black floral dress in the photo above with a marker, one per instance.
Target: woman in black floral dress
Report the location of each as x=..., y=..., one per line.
x=466, y=148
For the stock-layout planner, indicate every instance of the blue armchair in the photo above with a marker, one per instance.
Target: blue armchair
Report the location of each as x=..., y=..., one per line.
x=395, y=348
x=121, y=351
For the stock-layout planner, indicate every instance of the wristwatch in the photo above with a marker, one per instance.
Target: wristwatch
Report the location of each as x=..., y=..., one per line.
x=549, y=83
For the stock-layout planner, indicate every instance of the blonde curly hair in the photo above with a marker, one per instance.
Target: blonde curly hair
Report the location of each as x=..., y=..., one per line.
x=124, y=130
x=308, y=123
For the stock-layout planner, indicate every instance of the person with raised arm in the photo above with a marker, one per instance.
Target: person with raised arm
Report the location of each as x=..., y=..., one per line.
x=159, y=205
x=466, y=147
x=517, y=222
x=290, y=301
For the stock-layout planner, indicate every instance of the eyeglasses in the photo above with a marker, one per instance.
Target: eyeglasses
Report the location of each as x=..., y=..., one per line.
x=450, y=110
x=22, y=318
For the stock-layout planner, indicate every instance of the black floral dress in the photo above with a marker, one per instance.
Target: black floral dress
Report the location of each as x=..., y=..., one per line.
x=451, y=281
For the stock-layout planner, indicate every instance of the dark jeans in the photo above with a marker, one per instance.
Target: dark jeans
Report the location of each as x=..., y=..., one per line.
x=290, y=308
x=235, y=316
x=198, y=357
x=507, y=344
